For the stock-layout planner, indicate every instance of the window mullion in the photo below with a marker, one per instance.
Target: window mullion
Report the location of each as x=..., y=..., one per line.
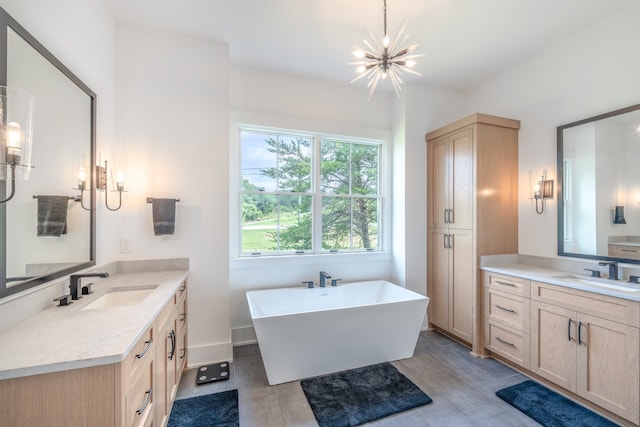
x=316, y=218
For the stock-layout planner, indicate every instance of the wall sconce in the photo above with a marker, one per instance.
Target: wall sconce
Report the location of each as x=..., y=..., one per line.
x=102, y=183
x=16, y=113
x=618, y=216
x=542, y=190
x=82, y=185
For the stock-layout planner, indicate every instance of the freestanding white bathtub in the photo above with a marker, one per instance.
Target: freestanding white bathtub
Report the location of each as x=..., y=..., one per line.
x=307, y=332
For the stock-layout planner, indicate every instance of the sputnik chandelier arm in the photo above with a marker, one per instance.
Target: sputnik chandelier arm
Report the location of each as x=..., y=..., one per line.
x=393, y=61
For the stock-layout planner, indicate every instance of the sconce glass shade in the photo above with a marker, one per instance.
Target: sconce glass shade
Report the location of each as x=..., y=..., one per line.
x=16, y=131
x=618, y=216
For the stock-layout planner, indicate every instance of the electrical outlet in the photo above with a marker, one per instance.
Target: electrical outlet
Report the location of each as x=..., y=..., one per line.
x=125, y=246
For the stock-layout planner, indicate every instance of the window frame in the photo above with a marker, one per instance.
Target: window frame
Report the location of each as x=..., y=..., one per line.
x=317, y=131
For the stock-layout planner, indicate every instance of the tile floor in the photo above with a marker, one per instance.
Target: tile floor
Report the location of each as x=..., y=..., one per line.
x=462, y=388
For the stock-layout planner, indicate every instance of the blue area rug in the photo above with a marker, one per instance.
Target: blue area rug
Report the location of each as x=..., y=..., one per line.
x=210, y=410
x=358, y=396
x=549, y=408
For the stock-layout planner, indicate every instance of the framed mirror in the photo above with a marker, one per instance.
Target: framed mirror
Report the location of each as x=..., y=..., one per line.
x=599, y=187
x=64, y=120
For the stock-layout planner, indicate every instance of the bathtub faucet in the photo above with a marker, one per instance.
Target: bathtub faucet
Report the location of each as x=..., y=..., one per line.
x=323, y=277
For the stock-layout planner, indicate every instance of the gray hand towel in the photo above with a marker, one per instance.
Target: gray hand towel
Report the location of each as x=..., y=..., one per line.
x=164, y=216
x=52, y=215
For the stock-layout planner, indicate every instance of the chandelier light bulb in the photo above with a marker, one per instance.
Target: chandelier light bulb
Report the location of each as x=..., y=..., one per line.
x=358, y=54
x=385, y=41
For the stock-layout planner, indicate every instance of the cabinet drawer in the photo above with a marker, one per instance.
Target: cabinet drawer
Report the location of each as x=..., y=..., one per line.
x=508, y=284
x=509, y=343
x=139, y=400
x=607, y=307
x=512, y=310
x=139, y=356
x=624, y=251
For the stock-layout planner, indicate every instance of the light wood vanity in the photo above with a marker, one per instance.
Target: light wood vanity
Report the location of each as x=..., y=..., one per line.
x=586, y=344
x=133, y=388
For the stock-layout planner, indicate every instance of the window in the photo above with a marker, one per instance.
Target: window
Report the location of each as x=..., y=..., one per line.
x=306, y=193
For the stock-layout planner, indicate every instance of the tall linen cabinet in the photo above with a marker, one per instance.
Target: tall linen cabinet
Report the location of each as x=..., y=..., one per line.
x=472, y=210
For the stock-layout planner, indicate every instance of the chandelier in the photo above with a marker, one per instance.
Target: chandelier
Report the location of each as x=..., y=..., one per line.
x=392, y=61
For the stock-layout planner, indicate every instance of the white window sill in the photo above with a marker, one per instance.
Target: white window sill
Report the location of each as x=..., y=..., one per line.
x=309, y=259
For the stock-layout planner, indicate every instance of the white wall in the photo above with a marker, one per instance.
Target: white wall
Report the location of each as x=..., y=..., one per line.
x=592, y=72
x=420, y=110
x=173, y=120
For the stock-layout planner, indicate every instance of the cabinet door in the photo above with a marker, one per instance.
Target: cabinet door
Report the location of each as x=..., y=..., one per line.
x=608, y=363
x=461, y=192
x=439, y=279
x=439, y=182
x=553, y=344
x=461, y=282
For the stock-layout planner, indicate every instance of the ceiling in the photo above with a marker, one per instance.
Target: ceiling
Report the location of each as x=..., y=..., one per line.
x=465, y=42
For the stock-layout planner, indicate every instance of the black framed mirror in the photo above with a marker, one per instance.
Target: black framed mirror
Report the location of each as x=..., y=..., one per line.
x=64, y=134
x=599, y=187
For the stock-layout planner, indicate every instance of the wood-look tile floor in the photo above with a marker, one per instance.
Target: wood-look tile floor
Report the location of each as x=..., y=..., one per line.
x=462, y=388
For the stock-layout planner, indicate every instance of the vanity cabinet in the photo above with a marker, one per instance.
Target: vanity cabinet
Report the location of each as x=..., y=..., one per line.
x=170, y=364
x=472, y=210
x=588, y=344
x=507, y=314
x=136, y=392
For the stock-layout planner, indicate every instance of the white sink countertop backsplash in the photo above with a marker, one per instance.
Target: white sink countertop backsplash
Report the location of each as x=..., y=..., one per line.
x=63, y=338
x=552, y=270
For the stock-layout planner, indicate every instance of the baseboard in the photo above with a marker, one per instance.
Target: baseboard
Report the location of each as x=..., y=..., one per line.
x=208, y=354
x=243, y=335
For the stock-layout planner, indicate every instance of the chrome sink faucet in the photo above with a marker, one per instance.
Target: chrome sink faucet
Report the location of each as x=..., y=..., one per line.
x=74, y=284
x=613, y=269
x=323, y=277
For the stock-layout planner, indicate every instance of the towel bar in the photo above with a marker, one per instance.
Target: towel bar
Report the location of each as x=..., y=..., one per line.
x=68, y=197
x=150, y=200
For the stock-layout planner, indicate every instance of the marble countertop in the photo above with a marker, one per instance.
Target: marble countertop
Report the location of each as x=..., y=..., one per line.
x=63, y=338
x=614, y=288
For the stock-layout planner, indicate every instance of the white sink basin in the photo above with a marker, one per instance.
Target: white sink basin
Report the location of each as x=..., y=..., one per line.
x=601, y=283
x=120, y=297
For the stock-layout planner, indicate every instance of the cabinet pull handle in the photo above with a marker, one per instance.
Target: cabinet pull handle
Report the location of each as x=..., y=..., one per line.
x=628, y=250
x=505, y=342
x=569, y=330
x=182, y=288
x=184, y=353
x=580, y=341
x=450, y=211
x=182, y=317
x=510, y=310
x=172, y=337
x=444, y=240
x=145, y=349
x=149, y=393
x=445, y=215
x=505, y=283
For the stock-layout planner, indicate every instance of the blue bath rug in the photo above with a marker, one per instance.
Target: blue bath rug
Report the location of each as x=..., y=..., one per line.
x=549, y=408
x=209, y=410
x=362, y=395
